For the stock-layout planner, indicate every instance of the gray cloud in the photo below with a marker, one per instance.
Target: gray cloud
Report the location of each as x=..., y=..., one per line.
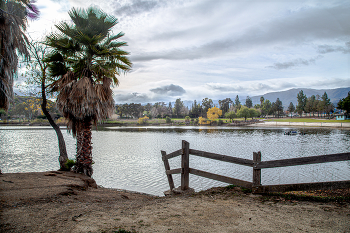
x=137, y=7
x=296, y=28
x=249, y=87
x=132, y=98
x=323, y=49
x=169, y=90
x=199, y=41
x=209, y=50
x=296, y=62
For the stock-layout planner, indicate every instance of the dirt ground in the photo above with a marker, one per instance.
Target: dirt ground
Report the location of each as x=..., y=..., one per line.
x=68, y=202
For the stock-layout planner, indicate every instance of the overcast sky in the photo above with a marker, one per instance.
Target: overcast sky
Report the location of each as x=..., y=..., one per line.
x=192, y=49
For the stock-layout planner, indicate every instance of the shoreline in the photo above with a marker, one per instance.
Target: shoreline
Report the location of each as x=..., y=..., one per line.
x=342, y=125
x=69, y=202
x=345, y=125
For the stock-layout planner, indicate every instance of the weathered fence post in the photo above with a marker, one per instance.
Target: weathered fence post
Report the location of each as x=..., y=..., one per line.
x=256, y=172
x=167, y=167
x=185, y=176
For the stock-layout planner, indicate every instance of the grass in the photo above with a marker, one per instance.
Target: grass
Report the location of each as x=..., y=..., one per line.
x=308, y=120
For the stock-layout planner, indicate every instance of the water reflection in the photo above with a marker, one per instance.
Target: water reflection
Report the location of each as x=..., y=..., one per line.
x=129, y=157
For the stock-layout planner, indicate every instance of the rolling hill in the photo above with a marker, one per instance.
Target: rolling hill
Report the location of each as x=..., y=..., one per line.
x=291, y=95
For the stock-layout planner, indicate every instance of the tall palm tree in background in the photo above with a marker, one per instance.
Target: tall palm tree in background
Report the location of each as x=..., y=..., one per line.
x=14, y=16
x=88, y=59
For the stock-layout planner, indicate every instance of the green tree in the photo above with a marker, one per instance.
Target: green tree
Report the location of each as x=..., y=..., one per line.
x=301, y=102
x=225, y=105
x=326, y=104
x=170, y=109
x=267, y=107
x=344, y=104
x=317, y=104
x=231, y=115
x=249, y=102
x=88, y=58
x=291, y=108
x=314, y=101
x=262, y=99
x=237, y=103
x=122, y=110
x=279, y=107
x=196, y=110
x=253, y=113
x=206, y=104
x=14, y=16
x=178, y=107
x=135, y=110
x=243, y=112
x=310, y=106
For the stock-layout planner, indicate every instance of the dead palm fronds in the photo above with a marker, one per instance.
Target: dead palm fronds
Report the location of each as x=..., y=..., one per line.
x=87, y=60
x=13, y=23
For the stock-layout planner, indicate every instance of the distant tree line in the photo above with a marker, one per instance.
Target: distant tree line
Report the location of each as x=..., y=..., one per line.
x=230, y=109
x=29, y=108
x=313, y=105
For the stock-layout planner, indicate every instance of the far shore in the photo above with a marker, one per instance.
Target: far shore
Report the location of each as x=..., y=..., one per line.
x=303, y=124
x=270, y=122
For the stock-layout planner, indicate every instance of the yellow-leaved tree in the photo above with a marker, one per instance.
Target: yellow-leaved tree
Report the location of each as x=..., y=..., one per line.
x=214, y=113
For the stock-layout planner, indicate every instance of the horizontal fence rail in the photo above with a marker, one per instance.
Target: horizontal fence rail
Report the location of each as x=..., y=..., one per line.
x=224, y=158
x=304, y=160
x=224, y=179
x=256, y=164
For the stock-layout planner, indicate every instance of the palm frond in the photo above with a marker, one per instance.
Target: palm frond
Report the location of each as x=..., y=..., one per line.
x=95, y=59
x=13, y=23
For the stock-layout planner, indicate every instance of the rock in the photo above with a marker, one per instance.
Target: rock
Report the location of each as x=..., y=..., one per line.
x=178, y=191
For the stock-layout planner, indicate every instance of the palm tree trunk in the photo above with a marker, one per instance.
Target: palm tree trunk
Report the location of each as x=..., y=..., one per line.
x=61, y=143
x=84, y=149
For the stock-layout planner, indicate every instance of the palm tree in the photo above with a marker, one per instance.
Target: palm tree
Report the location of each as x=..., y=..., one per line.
x=13, y=23
x=88, y=59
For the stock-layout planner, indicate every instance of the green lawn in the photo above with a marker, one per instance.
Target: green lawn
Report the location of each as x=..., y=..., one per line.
x=307, y=120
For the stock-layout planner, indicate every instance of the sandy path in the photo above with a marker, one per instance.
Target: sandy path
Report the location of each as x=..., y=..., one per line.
x=51, y=202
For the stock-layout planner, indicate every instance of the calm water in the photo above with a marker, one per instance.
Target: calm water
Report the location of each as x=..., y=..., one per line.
x=130, y=158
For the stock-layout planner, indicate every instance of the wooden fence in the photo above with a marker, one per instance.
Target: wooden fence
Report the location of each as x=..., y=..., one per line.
x=256, y=164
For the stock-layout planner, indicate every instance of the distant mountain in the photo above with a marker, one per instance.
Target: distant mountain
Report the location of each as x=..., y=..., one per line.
x=291, y=95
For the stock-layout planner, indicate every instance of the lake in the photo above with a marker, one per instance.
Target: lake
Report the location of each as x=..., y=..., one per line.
x=130, y=158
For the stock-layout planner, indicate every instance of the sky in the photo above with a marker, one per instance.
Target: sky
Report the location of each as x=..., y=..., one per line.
x=193, y=49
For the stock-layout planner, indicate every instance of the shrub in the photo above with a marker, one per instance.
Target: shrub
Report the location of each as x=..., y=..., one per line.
x=61, y=121
x=202, y=121
x=143, y=120
x=70, y=163
x=168, y=120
